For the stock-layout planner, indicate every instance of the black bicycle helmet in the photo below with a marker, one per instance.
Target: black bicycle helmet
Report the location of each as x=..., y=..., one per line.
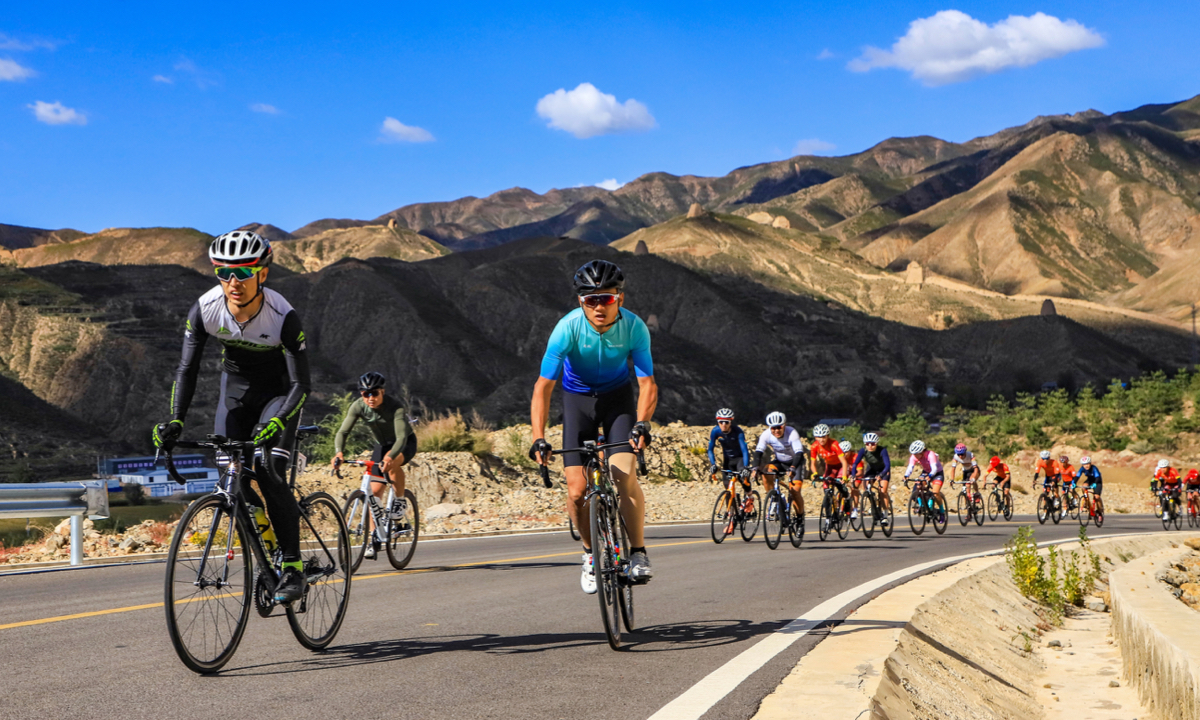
x=598, y=275
x=371, y=381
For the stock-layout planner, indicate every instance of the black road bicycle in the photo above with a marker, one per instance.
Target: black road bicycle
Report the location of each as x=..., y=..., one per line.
x=1171, y=514
x=1048, y=506
x=610, y=538
x=219, y=559
x=970, y=503
x=778, y=516
x=999, y=503
x=924, y=506
x=835, y=508
x=874, y=509
x=372, y=523
x=734, y=510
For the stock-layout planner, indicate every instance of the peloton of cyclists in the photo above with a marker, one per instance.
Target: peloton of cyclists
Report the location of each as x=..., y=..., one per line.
x=787, y=449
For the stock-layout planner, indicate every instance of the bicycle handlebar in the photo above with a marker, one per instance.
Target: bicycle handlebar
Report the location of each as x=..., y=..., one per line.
x=212, y=442
x=592, y=448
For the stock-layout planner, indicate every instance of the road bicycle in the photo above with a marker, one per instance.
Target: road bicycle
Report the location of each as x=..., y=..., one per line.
x=223, y=553
x=1070, y=496
x=924, y=506
x=1193, y=511
x=999, y=503
x=1157, y=491
x=1170, y=510
x=1048, y=506
x=778, y=516
x=875, y=510
x=610, y=538
x=970, y=504
x=734, y=510
x=372, y=523
x=1091, y=507
x=835, y=514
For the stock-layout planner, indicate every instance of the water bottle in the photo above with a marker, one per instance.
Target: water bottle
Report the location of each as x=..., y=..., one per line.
x=264, y=528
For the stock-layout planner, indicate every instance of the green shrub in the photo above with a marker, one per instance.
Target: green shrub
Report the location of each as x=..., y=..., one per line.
x=134, y=493
x=516, y=440
x=1141, y=447
x=679, y=470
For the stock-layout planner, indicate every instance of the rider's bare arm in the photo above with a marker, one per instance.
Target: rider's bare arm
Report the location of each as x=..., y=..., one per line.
x=539, y=408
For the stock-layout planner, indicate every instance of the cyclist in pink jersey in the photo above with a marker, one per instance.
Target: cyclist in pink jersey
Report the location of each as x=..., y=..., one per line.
x=930, y=464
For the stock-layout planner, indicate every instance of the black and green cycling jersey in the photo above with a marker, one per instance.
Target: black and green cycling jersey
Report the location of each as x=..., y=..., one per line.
x=388, y=424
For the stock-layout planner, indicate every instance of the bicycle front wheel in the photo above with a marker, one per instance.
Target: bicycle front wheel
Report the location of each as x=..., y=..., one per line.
x=207, y=587
x=795, y=527
x=1085, y=512
x=325, y=552
x=842, y=518
x=825, y=519
x=604, y=563
x=625, y=586
x=404, y=533
x=964, y=509
x=916, y=514
x=1043, y=508
x=1099, y=505
x=721, y=525
x=773, y=519
x=1073, y=504
x=994, y=505
x=977, y=509
x=887, y=518
x=357, y=512
x=751, y=516
x=1176, y=516
x=940, y=518
x=867, y=514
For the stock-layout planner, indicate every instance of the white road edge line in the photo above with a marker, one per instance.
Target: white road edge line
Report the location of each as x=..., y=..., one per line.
x=701, y=697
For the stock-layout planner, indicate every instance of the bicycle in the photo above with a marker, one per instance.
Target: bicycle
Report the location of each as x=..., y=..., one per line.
x=999, y=502
x=610, y=538
x=1156, y=491
x=1071, y=496
x=924, y=505
x=1091, y=508
x=778, y=516
x=878, y=510
x=970, y=504
x=732, y=510
x=834, y=516
x=372, y=522
x=1170, y=510
x=1048, y=507
x=1193, y=511
x=214, y=553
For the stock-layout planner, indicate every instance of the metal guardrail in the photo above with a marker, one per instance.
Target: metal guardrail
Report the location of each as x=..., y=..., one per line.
x=77, y=499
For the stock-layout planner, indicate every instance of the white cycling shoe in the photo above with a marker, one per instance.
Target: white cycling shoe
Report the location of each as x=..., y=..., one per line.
x=587, y=579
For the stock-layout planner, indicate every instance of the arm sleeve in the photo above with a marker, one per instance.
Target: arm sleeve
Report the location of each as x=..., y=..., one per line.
x=643, y=364
x=887, y=461
x=296, y=353
x=935, y=463
x=339, y=440
x=400, y=424
x=712, y=442
x=194, y=337
x=744, y=449
x=556, y=352
x=758, y=458
x=912, y=460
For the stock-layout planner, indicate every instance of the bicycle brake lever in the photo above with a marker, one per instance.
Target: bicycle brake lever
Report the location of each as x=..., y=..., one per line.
x=545, y=471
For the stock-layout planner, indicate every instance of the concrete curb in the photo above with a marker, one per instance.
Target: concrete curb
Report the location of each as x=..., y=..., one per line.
x=1159, y=637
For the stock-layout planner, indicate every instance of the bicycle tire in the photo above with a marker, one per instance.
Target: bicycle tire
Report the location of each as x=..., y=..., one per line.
x=1085, y=513
x=978, y=510
x=843, y=518
x=604, y=563
x=1056, y=511
x=571, y=527
x=1008, y=507
x=207, y=518
x=1099, y=519
x=824, y=519
x=887, y=515
x=939, y=510
x=357, y=512
x=624, y=586
x=1191, y=516
x=964, y=508
x=749, y=526
x=1043, y=508
x=1158, y=507
x=1073, y=505
x=867, y=514
x=325, y=552
x=915, y=512
x=995, y=504
x=401, y=544
x=855, y=523
x=720, y=525
x=795, y=528
x=1177, y=517
x=772, y=519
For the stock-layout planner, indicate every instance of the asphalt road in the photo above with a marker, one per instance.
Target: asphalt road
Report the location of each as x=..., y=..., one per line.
x=508, y=636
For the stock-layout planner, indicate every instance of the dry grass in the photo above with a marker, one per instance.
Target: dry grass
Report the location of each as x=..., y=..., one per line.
x=453, y=433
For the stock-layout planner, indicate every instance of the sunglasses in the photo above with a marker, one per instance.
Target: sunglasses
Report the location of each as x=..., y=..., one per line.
x=370, y=393
x=722, y=422
x=602, y=299
x=226, y=273
x=776, y=427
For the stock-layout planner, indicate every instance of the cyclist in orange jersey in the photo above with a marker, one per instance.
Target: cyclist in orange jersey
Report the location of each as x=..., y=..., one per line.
x=1051, y=470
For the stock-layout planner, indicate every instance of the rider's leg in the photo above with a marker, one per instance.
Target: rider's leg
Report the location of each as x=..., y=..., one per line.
x=282, y=507
x=576, y=507
x=935, y=484
x=885, y=499
x=633, y=502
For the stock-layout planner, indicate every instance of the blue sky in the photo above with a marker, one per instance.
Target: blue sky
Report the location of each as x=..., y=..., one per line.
x=211, y=116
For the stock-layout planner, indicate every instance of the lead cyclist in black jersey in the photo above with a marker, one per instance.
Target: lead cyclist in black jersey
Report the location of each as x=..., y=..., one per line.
x=264, y=380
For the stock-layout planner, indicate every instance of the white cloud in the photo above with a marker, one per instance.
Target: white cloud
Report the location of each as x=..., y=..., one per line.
x=586, y=112
x=13, y=71
x=264, y=108
x=203, y=78
x=56, y=113
x=7, y=42
x=163, y=79
x=395, y=131
x=952, y=46
x=812, y=146
x=609, y=184
x=826, y=54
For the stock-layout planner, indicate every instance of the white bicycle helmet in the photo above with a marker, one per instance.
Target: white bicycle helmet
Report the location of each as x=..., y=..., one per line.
x=1085, y=460
x=846, y=446
x=870, y=438
x=1045, y=454
x=821, y=430
x=724, y=414
x=776, y=419
x=1163, y=464
x=916, y=447
x=240, y=247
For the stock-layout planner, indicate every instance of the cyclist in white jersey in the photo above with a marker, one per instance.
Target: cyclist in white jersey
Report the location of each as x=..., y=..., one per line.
x=788, y=450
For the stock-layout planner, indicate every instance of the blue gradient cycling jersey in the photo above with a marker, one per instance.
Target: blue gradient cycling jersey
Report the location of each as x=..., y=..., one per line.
x=591, y=363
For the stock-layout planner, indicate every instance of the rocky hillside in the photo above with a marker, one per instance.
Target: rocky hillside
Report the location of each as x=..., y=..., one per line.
x=314, y=252
x=15, y=237
x=125, y=246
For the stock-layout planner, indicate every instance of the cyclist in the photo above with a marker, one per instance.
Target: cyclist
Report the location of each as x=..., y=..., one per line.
x=735, y=456
x=787, y=449
x=1003, y=477
x=970, y=468
x=1168, y=479
x=826, y=460
x=1092, y=481
x=1193, y=486
x=852, y=474
x=930, y=464
x=264, y=381
x=1068, y=477
x=873, y=461
x=590, y=349
x=1050, y=470
x=395, y=442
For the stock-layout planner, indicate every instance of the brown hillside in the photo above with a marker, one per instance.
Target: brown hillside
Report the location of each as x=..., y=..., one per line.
x=126, y=246
x=317, y=251
x=14, y=237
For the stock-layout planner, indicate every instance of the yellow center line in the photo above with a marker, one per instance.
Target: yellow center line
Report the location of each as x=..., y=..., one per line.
x=357, y=578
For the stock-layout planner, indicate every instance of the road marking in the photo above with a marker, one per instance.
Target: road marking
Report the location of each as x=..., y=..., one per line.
x=702, y=696
x=357, y=578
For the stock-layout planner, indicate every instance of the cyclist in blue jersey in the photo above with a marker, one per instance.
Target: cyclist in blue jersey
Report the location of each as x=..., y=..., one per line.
x=591, y=349
x=732, y=439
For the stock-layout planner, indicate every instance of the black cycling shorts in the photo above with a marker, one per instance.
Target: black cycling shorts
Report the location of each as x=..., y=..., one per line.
x=732, y=464
x=409, y=449
x=585, y=416
x=1097, y=488
x=1193, y=488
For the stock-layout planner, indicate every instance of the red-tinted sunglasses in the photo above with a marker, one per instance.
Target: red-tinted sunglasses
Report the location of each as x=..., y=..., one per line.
x=370, y=393
x=604, y=299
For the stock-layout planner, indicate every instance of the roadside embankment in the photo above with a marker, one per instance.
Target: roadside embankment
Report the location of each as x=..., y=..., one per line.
x=1159, y=636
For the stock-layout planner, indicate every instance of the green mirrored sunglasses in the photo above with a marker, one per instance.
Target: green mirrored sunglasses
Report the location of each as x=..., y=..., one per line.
x=225, y=273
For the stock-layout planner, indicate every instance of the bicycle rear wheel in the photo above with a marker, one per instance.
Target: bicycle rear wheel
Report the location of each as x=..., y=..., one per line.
x=773, y=519
x=867, y=514
x=357, y=512
x=721, y=527
x=325, y=552
x=964, y=509
x=604, y=562
x=750, y=523
x=1191, y=515
x=916, y=514
x=940, y=518
x=206, y=592
x=404, y=533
